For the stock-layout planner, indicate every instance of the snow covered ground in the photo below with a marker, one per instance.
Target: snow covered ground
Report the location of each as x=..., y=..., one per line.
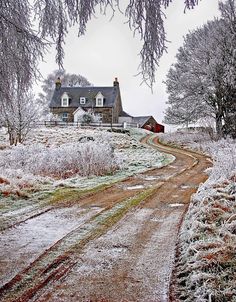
x=206, y=266
x=72, y=157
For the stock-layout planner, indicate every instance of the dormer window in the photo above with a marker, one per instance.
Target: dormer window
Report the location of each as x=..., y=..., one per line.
x=82, y=100
x=99, y=100
x=65, y=100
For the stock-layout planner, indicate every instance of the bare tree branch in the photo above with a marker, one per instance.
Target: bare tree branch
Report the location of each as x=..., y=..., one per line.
x=21, y=47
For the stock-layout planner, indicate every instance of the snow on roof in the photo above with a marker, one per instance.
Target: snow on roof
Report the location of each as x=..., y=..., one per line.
x=141, y=120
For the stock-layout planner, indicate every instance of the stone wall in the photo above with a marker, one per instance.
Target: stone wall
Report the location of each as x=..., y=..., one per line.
x=117, y=109
x=105, y=112
x=108, y=114
x=60, y=110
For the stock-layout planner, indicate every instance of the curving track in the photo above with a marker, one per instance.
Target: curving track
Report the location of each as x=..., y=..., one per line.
x=117, y=244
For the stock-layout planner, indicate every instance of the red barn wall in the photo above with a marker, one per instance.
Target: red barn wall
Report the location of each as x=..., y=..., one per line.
x=153, y=126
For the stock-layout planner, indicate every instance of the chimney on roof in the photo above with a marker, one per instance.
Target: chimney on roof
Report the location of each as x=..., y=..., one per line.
x=116, y=83
x=58, y=83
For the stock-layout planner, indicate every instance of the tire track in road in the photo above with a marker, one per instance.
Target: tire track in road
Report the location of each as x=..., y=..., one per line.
x=59, y=260
x=126, y=279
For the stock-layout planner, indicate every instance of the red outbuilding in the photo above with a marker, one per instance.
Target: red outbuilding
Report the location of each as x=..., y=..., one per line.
x=148, y=123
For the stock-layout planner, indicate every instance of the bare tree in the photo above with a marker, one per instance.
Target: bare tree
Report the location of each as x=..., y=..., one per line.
x=19, y=115
x=48, y=86
x=228, y=11
x=22, y=42
x=20, y=50
x=184, y=90
x=205, y=74
x=20, y=47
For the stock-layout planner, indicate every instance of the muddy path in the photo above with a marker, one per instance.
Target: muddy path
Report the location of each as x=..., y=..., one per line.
x=116, y=244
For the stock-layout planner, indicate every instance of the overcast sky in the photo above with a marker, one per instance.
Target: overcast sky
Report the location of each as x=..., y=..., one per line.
x=109, y=50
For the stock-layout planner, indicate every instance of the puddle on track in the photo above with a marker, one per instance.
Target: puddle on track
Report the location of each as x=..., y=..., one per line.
x=150, y=178
x=173, y=205
x=184, y=187
x=136, y=187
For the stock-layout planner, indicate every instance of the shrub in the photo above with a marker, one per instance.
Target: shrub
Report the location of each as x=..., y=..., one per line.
x=85, y=159
x=205, y=268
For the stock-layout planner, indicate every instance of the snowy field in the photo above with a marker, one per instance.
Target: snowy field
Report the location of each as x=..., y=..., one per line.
x=72, y=157
x=207, y=264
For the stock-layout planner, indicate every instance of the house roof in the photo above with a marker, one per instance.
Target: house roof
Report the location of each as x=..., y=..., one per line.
x=141, y=120
x=125, y=114
x=110, y=94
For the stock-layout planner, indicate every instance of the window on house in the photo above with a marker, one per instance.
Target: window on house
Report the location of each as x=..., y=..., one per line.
x=65, y=102
x=99, y=102
x=65, y=117
x=82, y=100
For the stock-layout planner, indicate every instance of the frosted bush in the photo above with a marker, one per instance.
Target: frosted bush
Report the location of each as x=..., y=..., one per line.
x=77, y=158
x=63, y=156
x=48, y=154
x=206, y=251
x=193, y=139
x=223, y=152
x=205, y=268
x=17, y=182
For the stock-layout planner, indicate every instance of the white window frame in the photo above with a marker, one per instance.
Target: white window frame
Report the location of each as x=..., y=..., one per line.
x=82, y=100
x=64, y=116
x=99, y=100
x=65, y=100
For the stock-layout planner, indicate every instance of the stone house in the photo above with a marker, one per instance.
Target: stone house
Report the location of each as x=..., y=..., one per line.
x=104, y=102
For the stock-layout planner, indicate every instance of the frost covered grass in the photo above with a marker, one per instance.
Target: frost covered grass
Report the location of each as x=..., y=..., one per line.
x=71, y=157
x=222, y=152
x=206, y=263
x=206, y=259
x=60, y=162
x=193, y=139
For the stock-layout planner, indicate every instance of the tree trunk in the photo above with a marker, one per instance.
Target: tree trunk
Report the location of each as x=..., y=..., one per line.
x=219, y=125
x=12, y=136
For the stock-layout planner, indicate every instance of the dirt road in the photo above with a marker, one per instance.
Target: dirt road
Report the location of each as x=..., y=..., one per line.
x=115, y=244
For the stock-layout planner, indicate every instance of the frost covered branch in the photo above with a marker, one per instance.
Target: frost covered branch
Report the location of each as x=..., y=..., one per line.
x=21, y=47
x=146, y=18
x=202, y=81
x=48, y=87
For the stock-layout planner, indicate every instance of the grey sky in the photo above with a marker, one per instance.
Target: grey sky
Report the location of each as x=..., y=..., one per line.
x=109, y=50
